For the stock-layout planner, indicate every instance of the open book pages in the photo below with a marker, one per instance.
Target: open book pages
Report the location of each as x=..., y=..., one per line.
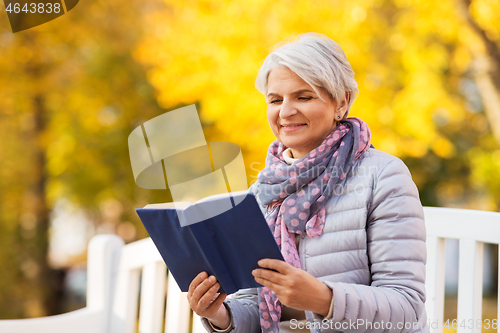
x=186, y=204
x=206, y=208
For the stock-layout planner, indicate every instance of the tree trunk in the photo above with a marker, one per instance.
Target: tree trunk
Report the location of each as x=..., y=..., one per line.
x=486, y=67
x=46, y=282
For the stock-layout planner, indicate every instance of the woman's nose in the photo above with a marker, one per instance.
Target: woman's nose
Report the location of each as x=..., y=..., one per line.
x=287, y=109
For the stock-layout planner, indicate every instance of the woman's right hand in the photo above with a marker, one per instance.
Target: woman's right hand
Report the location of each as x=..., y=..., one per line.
x=204, y=299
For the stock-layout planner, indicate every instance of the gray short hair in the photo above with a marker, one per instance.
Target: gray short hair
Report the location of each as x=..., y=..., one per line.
x=316, y=59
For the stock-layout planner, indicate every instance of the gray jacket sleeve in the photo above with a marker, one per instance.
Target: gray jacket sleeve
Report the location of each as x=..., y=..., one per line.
x=244, y=311
x=397, y=253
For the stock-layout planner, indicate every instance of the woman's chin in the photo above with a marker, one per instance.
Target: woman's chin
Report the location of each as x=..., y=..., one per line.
x=293, y=138
x=298, y=142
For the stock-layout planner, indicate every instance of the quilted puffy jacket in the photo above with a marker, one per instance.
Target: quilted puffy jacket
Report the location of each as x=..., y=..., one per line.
x=371, y=254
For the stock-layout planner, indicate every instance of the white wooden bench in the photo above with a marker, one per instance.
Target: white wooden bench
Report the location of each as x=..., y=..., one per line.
x=129, y=290
x=472, y=228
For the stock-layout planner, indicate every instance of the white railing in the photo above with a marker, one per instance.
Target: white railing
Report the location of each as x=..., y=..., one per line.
x=141, y=260
x=472, y=228
x=129, y=289
x=102, y=267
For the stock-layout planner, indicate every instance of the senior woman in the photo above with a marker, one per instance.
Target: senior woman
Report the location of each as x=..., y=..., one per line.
x=347, y=217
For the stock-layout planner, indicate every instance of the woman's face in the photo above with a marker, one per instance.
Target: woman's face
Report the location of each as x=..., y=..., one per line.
x=298, y=117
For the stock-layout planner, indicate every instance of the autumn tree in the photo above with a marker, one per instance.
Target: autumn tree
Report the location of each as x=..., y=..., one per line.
x=411, y=58
x=70, y=95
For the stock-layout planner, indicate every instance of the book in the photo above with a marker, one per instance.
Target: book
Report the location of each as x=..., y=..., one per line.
x=227, y=239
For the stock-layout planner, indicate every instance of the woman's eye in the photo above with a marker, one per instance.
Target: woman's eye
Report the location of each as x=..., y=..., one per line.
x=275, y=101
x=305, y=98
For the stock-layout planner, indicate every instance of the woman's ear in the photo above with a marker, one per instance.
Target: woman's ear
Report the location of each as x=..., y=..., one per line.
x=342, y=107
x=344, y=102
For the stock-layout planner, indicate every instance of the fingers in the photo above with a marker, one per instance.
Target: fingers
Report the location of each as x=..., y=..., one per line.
x=277, y=265
x=267, y=274
x=203, y=295
x=268, y=283
x=216, y=304
x=278, y=275
x=208, y=285
x=207, y=297
x=196, y=281
x=282, y=279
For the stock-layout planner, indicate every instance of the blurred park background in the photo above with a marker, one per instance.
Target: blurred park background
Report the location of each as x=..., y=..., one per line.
x=73, y=89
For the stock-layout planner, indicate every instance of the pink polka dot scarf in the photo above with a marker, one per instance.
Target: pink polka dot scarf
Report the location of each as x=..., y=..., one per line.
x=295, y=196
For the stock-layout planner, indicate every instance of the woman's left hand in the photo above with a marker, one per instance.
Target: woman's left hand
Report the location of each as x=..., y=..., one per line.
x=294, y=287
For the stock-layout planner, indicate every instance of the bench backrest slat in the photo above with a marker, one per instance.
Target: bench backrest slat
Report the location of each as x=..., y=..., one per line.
x=434, y=282
x=472, y=228
x=152, y=297
x=178, y=310
x=470, y=285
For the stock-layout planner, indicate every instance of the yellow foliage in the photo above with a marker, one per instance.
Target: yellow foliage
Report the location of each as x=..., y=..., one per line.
x=210, y=52
x=443, y=147
x=486, y=13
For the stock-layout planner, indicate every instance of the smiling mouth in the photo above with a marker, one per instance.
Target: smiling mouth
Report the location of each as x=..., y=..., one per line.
x=292, y=126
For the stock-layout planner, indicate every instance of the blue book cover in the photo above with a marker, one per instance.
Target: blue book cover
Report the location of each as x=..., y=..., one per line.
x=227, y=245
